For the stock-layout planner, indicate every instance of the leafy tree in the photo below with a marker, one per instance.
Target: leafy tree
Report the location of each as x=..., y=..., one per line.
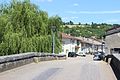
x=25, y=28
x=71, y=23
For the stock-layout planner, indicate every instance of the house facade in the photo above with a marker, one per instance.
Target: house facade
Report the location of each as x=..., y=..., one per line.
x=70, y=44
x=79, y=44
x=90, y=45
x=112, y=40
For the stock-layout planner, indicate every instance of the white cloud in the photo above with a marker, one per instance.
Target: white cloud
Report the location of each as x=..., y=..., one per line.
x=49, y=0
x=113, y=21
x=74, y=17
x=75, y=4
x=68, y=18
x=64, y=18
x=94, y=12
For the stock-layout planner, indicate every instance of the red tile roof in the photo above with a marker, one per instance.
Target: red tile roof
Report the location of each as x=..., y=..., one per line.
x=81, y=39
x=68, y=36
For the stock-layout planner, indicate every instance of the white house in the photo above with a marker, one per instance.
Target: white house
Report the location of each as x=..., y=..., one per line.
x=90, y=45
x=70, y=44
x=79, y=44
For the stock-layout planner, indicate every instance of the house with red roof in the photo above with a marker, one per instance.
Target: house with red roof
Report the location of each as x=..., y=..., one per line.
x=70, y=43
x=79, y=44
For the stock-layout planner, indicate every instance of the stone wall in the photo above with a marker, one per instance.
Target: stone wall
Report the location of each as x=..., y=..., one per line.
x=13, y=61
x=112, y=41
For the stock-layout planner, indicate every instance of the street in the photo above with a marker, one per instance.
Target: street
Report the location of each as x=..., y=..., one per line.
x=79, y=68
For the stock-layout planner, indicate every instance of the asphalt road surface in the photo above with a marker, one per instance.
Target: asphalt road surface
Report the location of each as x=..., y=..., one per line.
x=80, y=68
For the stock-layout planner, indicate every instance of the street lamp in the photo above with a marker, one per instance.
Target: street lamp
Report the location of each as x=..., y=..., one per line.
x=53, y=28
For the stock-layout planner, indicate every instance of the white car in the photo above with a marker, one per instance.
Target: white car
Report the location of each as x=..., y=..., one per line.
x=82, y=54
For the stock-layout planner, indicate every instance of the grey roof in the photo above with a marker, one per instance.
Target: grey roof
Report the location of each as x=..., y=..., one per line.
x=113, y=30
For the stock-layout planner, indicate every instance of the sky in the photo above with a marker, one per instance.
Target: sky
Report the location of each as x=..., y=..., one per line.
x=84, y=11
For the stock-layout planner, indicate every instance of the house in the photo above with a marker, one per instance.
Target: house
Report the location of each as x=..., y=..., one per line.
x=70, y=44
x=112, y=40
x=79, y=44
x=90, y=45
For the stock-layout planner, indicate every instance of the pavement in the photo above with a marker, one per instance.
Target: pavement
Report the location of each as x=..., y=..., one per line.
x=79, y=68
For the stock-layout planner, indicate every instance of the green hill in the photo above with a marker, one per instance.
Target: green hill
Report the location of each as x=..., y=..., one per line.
x=87, y=30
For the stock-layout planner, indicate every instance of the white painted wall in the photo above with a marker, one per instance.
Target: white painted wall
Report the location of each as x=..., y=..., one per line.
x=79, y=50
x=68, y=45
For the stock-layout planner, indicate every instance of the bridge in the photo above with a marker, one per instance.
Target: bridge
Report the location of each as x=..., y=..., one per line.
x=78, y=68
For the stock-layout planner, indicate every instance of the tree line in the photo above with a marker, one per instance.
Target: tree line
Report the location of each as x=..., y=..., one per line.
x=87, y=30
x=25, y=28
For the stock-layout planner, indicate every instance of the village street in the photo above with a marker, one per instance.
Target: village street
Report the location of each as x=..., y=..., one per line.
x=78, y=68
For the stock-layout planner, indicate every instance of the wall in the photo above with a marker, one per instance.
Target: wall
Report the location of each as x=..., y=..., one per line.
x=68, y=45
x=112, y=41
x=80, y=47
x=13, y=61
x=115, y=64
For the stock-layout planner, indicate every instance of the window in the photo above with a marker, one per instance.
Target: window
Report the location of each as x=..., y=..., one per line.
x=73, y=41
x=115, y=50
x=63, y=42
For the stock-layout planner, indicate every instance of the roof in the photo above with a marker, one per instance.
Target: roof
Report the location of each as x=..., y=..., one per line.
x=68, y=36
x=64, y=35
x=113, y=30
x=82, y=39
x=90, y=41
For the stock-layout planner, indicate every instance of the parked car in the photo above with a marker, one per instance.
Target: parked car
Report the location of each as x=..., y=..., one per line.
x=82, y=54
x=99, y=56
x=72, y=54
x=102, y=55
x=96, y=57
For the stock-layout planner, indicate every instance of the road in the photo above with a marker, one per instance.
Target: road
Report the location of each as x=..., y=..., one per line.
x=79, y=68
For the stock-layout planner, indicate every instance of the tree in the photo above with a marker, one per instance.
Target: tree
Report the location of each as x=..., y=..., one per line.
x=79, y=23
x=25, y=28
x=88, y=31
x=71, y=23
x=55, y=21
